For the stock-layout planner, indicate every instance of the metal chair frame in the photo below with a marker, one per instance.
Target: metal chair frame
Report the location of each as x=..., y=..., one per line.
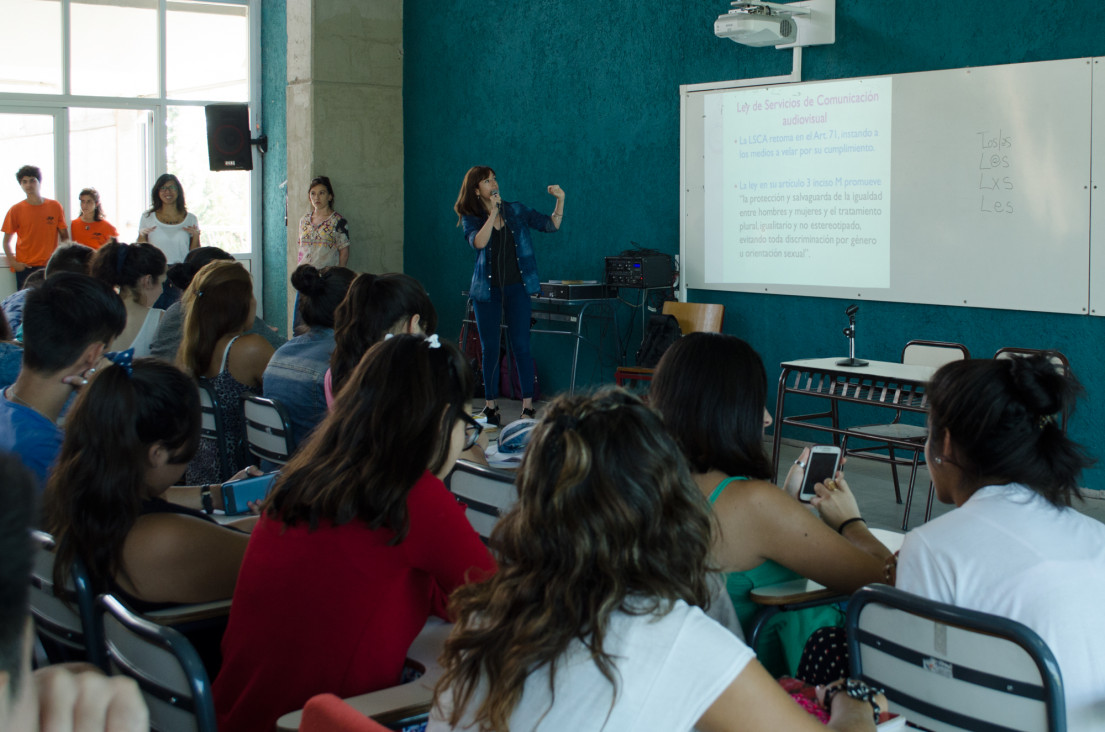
x=266, y=423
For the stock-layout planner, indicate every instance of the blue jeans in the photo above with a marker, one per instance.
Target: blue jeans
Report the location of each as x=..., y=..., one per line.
x=513, y=302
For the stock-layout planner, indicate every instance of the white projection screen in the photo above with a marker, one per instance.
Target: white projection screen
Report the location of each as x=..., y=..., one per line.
x=961, y=187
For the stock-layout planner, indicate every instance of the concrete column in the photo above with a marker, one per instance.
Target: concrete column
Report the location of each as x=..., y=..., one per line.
x=345, y=121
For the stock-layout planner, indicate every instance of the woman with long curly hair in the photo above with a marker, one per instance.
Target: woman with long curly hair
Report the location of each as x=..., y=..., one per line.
x=359, y=541
x=594, y=619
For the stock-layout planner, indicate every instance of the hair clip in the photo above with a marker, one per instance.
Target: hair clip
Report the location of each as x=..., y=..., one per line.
x=122, y=359
x=199, y=294
x=1045, y=420
x=432, y=341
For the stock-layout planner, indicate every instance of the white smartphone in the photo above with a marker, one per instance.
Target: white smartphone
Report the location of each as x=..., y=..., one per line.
x=822, y=464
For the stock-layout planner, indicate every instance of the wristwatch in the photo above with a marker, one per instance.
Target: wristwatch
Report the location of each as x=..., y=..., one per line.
x=206, y=499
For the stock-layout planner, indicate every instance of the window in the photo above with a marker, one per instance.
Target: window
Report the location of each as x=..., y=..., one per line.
x=112, y=108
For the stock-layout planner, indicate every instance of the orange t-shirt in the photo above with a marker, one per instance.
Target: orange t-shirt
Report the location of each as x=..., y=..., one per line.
x=36, y=229
x=93, y=235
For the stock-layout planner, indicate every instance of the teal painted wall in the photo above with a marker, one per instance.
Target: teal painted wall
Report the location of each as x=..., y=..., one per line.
x=274, y=81
x=585, y=94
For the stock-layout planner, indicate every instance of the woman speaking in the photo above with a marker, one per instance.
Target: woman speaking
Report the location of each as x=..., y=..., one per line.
x=505, y=276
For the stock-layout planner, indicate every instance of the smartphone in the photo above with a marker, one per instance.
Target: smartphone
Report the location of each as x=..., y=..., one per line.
x=238, y=493
x=822, y=464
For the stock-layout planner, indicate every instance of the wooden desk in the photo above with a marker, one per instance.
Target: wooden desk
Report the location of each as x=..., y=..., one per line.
x=879, y=384
x=398, y=702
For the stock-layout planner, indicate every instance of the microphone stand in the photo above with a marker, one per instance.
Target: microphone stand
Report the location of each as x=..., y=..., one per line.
x=850, y=334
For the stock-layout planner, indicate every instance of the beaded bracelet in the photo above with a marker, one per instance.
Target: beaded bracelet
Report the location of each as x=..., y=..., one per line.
x=840, y=529
x=857, y=690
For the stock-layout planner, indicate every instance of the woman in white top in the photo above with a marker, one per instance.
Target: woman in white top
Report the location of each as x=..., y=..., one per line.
x=594, y=619
x=1014, y=547
x=137, y=271
x=169, y=227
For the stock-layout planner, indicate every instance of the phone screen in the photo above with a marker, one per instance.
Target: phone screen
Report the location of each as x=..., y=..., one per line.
x=821, y=467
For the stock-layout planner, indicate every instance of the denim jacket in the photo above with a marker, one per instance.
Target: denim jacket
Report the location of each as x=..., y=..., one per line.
x=294, y=378
x=519, y=218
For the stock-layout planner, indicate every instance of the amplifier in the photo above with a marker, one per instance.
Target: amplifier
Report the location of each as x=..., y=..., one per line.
x=649, y=270
x=576, y=291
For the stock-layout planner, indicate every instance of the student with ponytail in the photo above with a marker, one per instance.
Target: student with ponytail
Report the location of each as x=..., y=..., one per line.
x=998, y=449
x=297, y=370
x=137, y=272
x=359, y=541
x=375, y=306
x=218, y=308
x=127, y=441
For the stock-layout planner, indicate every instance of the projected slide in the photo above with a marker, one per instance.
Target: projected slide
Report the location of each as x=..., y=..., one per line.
x=798, y=184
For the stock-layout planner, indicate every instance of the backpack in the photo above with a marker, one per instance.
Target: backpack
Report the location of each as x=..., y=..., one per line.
x=662, y=331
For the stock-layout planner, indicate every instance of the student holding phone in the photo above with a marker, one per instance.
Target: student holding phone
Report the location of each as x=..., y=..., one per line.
x=711, y=390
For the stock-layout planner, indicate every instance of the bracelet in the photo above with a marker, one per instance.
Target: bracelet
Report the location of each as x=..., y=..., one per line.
x=857, y=690
x=206, y=500
x=840, y=529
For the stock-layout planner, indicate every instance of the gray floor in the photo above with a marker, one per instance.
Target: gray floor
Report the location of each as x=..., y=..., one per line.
x=870, y=481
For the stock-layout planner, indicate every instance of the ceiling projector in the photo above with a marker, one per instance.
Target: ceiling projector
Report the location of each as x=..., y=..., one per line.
x=753, y=24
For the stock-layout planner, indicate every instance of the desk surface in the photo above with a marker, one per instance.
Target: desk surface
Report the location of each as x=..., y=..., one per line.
x=803, y=590
x=875, y=369
x=410, y=698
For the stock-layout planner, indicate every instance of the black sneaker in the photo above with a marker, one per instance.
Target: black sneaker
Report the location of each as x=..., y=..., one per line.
x=494, y=419
x=530, y=413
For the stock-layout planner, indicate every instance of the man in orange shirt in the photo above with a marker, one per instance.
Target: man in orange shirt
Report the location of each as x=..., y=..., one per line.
x=36, y=223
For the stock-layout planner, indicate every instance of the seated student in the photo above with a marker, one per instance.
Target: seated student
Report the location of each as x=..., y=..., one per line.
x=137, y=271
x=594, y=619
x=296, y=371
x=166, y=341
x=128, y=439
x=11, y=354
x=711, y=389
x=1013, y=546
x=73, y=258
x=218, y=308
x=55, y=697
x=68, y=323
x=375, y=306
x=358, y=543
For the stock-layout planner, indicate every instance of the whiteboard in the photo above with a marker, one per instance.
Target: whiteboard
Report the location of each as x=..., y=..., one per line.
x=989, y=193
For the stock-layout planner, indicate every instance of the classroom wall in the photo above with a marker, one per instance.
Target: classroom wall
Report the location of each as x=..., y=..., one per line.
x=585, y=95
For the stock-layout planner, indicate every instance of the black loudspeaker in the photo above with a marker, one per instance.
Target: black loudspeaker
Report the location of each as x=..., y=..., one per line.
x=228, y=137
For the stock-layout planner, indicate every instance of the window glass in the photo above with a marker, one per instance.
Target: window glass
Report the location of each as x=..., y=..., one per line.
x=108, y=151
x=26, y=139
x=114, y=49
x=30, y=37
x=220, y=200
x=207, y=51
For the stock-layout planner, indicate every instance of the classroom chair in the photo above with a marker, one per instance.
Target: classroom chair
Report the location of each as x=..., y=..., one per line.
x=64, y=617
x=268, y=430
x=915, y=353
x=486, y=493
x=165, y=666
x=211, y=421
x=946, y=669
x=693, y=317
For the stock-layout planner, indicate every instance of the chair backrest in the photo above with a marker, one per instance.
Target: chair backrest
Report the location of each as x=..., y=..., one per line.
x=268, y=431
x=696, y=317
x=211, y=421
x=945, y=668
x=164, y=664
x=1058, y=359
x=64, y=617
x=933, y=353
x=328, y=713
x=486, y=492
